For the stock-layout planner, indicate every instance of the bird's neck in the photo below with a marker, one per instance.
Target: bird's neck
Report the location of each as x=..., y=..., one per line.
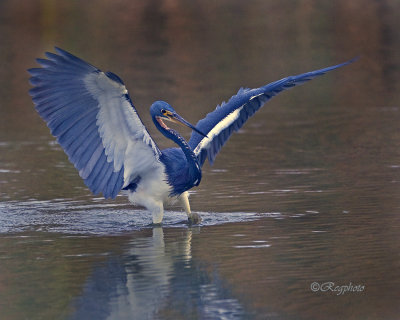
x=191, y=158
x=181, y=142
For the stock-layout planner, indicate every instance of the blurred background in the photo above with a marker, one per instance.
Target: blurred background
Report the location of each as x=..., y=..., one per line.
x=325, y=157
x=195, y=54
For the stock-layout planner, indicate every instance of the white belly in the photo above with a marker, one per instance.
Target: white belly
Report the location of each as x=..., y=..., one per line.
x=152, y=190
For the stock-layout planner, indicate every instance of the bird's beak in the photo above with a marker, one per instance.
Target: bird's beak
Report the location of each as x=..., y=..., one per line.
x=176, y=118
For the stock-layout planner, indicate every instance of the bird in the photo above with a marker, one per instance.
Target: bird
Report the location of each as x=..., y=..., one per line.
x=93, y=118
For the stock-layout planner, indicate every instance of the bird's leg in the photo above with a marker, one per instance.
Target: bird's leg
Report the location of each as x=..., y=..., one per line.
x=154, y=206
x=157, y=211
x=193, y=218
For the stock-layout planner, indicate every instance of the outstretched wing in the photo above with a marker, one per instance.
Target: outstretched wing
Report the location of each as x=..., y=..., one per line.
x=230, y=116
x=94, y=120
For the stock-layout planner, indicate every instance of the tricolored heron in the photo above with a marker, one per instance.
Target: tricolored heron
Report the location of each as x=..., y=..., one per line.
x=95, y=122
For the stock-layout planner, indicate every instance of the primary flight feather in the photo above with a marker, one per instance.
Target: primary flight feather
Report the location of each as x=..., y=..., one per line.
x=95, y=122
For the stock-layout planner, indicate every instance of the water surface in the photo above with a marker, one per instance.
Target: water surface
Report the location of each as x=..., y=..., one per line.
x=304, y=196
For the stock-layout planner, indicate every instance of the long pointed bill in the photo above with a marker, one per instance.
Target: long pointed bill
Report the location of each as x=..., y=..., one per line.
x=176, y=118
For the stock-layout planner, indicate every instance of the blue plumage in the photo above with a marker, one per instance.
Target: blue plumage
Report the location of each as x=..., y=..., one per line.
x=70, y=110
x=181, y=164
x=249, y=100
x=92, y=116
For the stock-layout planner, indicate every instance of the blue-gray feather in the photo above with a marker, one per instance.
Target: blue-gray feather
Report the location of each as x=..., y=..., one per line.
x=91, y=114
x=251, y=100
x=70, y=111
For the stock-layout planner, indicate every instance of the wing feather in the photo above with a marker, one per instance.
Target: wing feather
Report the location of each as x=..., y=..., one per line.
x=94, y=120
x=230, y=117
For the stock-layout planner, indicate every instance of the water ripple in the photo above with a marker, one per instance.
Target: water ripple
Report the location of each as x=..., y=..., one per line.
x=76, y=217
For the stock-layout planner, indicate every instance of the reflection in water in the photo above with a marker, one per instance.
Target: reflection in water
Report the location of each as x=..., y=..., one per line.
x=325, y=157
x=152, y=279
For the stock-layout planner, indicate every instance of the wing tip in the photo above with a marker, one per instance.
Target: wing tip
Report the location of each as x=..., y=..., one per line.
x=63, y=53
x=58, y=49
x=352, y=60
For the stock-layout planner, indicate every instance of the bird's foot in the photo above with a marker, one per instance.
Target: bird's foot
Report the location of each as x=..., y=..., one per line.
x=194, y=218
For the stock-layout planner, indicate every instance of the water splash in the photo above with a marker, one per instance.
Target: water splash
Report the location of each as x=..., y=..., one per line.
x=79, y=217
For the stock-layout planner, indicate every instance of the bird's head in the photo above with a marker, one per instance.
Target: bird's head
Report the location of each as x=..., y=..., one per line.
x=161, y=111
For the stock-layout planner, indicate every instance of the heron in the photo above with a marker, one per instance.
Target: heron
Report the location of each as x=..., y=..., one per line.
x=94, y=120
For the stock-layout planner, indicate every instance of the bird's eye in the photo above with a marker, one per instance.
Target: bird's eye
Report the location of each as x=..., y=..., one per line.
x=163, y=111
